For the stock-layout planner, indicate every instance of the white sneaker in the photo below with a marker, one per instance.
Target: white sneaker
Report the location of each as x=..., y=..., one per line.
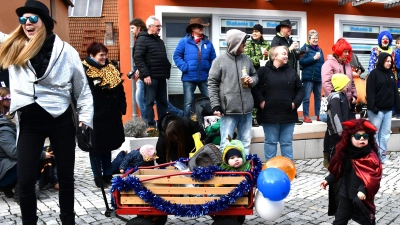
x=388, y=162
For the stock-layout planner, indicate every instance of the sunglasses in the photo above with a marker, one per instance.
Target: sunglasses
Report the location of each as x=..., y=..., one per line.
x=32, y=19
x=7, y=97
x=358, y=136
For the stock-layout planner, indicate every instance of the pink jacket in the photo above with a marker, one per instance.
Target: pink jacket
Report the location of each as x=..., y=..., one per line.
x=331, y=67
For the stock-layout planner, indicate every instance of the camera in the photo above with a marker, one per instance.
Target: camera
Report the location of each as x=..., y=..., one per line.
x=132, y=73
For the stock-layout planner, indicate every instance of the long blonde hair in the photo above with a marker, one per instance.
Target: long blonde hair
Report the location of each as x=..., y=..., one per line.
x=15, y=50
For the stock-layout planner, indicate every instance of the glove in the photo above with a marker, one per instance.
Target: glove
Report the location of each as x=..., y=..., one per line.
x=84, y=138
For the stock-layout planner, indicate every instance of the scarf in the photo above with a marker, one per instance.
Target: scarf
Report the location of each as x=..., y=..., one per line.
x=109, y=76
x=197, y=39
x=368, y=168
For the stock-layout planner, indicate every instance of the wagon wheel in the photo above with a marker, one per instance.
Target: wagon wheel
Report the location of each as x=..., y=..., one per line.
x=139, y=221
x=241, y=219
x=225, y=221
x=159, y=220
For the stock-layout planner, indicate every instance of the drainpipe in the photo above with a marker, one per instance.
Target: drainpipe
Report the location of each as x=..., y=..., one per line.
x=132, y=43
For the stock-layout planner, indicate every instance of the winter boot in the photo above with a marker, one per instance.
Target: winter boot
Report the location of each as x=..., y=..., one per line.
x=68, y=219
x=326, y=160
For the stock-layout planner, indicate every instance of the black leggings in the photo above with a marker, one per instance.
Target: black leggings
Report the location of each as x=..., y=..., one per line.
x=35, y=125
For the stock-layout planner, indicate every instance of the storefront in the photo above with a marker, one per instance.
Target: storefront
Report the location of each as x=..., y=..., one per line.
x=359, y=25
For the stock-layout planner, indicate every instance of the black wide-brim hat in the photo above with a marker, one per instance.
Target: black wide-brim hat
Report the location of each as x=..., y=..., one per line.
x=284, y=23
x=38, y=8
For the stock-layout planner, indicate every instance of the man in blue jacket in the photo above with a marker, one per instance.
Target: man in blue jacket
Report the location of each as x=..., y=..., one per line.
x=193, y=56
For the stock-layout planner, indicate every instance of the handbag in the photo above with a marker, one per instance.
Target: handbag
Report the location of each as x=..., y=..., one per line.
x=323, y=112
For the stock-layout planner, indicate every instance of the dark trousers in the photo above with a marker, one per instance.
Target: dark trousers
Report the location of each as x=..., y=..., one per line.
x=10, y=177
x=344, y=211
x=35, y=125
x=117, y=162
x=104, y=163
x=157, y=91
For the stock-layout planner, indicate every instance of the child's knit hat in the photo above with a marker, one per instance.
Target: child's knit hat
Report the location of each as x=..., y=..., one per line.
x=339, y=81
x=148, y=152
x=234, y=147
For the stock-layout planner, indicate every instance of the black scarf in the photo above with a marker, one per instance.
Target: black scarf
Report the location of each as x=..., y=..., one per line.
x=357, y=153
x=41, y=61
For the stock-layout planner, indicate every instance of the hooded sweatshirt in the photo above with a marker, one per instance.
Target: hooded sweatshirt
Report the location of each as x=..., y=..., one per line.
x=224, y=84
x=382, y=92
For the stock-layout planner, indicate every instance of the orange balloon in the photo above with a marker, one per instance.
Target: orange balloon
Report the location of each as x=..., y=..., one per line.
x=282, y=163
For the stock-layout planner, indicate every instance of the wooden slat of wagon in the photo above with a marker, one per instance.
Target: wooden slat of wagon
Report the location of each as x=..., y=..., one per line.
x=135, y=200
x=188, y=180
x=187, y=190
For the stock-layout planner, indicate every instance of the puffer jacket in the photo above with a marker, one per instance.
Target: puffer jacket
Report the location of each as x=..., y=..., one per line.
x=311, y=69
x=186, y=57
x=8, y=147
x=151, y=57
x=279, y=88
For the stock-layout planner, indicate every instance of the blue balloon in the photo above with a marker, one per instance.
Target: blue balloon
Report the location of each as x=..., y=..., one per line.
x=274, y=184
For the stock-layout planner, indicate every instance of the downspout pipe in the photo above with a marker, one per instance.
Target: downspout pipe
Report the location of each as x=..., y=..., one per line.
x=132, y=43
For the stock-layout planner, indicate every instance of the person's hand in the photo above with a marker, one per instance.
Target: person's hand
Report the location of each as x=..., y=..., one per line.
x=356, y=74
x=293, y=46
x=248, y=80
x=265, y=52
x=361, y=195
x=324, y=184
x=121, y=171
x=317, y=56
x=48, y=155
x=354, y=100
x=262, y=104
x=147, y=80
x=293, y=106
x=218, y=113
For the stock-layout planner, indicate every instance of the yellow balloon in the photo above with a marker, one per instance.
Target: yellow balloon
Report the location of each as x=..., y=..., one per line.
x=282, y=163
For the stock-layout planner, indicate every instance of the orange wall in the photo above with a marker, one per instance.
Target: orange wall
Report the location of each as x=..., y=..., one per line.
x=320, y=16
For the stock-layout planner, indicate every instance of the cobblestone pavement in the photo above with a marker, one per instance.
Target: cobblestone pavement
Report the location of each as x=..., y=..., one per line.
x=306, y=203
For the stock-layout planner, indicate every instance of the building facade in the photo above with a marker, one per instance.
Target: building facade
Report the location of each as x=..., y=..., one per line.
x=360, y=25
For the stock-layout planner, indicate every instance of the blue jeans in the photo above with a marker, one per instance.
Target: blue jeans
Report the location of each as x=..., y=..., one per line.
x=140, y=98
x=188, y=95
x=315, y=87
x=157, y=91
x=383, y=122
x=104, y=163
x=243, y=124
x=274, y=133
x=141, y=101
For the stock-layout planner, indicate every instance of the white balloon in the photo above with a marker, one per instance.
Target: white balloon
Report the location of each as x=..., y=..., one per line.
x=267, y=209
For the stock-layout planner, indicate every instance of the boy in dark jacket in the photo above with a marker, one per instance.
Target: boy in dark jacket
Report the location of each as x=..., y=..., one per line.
x=338, y=112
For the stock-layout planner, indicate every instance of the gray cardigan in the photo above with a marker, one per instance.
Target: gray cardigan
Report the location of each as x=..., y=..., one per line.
x=225, y=86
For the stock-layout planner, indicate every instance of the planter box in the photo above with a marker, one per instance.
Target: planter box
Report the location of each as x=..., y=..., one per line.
x=135, y=143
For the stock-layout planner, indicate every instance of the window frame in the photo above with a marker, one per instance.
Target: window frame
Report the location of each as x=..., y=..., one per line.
x=72, y=9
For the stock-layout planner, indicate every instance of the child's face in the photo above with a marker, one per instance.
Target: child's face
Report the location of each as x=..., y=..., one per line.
x=235, y=161
x=398, y=44
x=362, y=139
x=344, y=90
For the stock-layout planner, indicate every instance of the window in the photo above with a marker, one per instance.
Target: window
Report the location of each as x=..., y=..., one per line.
x=86, y=8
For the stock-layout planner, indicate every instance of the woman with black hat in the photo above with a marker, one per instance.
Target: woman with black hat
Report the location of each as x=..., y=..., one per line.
x=45, y=74
x=257, y=48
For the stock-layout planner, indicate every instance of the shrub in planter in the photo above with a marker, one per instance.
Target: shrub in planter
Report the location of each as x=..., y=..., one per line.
x=136, y=127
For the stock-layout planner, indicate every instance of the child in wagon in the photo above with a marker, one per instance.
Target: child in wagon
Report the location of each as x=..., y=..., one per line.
x=144, y=156
x=234, y=156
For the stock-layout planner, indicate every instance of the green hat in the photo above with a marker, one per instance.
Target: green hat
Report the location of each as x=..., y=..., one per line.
x=339, y=81
x=234, y=146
